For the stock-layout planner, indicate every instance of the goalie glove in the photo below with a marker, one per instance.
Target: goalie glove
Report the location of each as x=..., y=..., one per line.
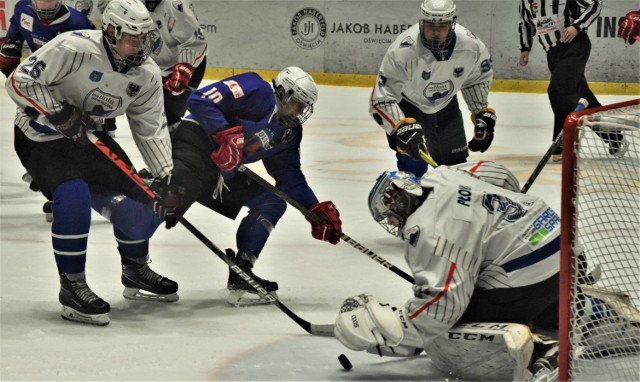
x=179, y=78
x=230, y=144
x=73, y=123
x=410, y=138
x=10, y=53
x=170, y=201
x=364, y=322
x=330, y=227
x=629, y=27
x=484, y=122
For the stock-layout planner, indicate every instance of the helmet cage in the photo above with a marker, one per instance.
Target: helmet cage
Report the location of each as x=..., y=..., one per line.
x=46, y=14
x=294, y=85
x=132, y=18
x=439, y=12
x=396, y=194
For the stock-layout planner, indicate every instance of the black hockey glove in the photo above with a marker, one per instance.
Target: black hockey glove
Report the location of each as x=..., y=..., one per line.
x=170, y=201
x=484, y=121
x=409, y=138
x=73, y=123
x=10, y=53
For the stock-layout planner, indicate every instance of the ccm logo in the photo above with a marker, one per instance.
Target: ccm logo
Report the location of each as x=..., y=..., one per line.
x=354, y=319
x=471, y=337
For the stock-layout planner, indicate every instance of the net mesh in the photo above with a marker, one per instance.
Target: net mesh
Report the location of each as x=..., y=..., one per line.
x=605, y=323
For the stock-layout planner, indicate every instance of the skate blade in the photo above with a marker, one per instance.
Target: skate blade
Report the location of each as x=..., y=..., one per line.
x=238, y=298
x=140, y=295
x=71, y=314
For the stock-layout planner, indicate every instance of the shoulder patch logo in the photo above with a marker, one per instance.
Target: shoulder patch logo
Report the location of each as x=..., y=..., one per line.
x=26, y=21
x=235, y=88
x=407, y=42
x=457, y=72
x=95, y=76
x=426, y=75
x=288, y=135
x=133, y=89
x=412, y=234
x=178, y=5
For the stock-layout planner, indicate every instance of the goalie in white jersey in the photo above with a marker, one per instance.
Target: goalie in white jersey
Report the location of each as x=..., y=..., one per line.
x=61, y=90
x=479, y=253
x=415, y=94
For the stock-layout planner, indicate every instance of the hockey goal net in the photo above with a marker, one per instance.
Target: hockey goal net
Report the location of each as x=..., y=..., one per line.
x=599, y=330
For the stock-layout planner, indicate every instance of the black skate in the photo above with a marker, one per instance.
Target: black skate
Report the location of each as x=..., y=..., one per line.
x=80, y=304
x=142, y=283
x=544, y=367
x=238, y=286
x=48, y=211
x=618, y=145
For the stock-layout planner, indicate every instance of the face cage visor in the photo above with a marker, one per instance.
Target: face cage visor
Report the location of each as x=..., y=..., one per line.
x=46, y=14
x=292, y=111
x=436, y=45
x=395, y=196
x=148, y=42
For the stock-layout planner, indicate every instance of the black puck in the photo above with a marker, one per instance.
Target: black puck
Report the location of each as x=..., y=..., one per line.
x=344, y=361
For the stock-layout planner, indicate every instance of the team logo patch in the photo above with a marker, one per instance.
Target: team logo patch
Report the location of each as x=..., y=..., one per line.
x=159, y=24
x=426, y=75
x=80, y=34
x=95, y=76
x=26, y=21
x=381, y=79
x=407, y=42
x=178, y=5
x=457, y=72
x=235, y=88
x=436, y=91
x=412, y=234
x=288, y=135
x=101, y=104
x=133, y=89
x=308, y=28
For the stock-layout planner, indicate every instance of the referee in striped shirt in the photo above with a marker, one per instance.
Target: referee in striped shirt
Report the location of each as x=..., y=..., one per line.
x=561, y=27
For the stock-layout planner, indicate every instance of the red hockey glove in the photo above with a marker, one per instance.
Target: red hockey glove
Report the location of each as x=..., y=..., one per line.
x=484, y=121
x=10, y=53
x=629, y=27
x=229, y=154
x=73, y=123
x=409, y=138
x=179, y=78
x=330, y=228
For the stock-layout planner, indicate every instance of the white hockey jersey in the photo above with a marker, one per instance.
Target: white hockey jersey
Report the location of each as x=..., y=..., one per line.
x=470, y=234
x=430, y=80
x=181, y=38
x=77, y=67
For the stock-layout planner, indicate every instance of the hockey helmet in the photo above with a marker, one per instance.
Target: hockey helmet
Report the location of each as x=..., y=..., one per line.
x=435, y=13
x=395, y=196
x=46, y=9
x=130, y=19
x=296, y=93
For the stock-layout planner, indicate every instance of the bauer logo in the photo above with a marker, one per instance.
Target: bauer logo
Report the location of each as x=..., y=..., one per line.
x=308, y=28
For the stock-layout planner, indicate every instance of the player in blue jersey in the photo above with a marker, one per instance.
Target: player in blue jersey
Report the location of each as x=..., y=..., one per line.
x=36, y=22
x=239, y=120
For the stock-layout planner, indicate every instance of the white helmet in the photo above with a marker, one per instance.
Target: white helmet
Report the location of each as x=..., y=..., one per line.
x=396, y=194
x=437, y=11
x=83, y=6
x=130, y=17
x=49, y=13
x=294, y=84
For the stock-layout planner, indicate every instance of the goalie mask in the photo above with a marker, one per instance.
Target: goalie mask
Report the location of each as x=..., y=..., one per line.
x=395, y=196
x=437, y=24
x=296, y=93
x=46, y=9
x=134, y=32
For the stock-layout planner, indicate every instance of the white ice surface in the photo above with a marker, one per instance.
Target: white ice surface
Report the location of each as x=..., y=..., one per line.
x=200, y=337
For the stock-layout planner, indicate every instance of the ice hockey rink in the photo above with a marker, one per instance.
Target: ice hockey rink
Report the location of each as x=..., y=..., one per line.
x=201, y=337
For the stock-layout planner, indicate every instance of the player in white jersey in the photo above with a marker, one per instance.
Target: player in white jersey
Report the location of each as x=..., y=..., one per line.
x=61, y=90
x=415, y=93
x=478, y=253
x=181, y=53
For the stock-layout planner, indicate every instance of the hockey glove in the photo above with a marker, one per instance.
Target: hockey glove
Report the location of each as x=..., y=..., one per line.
x=170, y=201
x=364, y=322
x=484, y=121
x=230, y=144
x=409, y=138
x=179, y=78
x=629, y=27
x=73, y=123
x=330, y=228
x=10, y=53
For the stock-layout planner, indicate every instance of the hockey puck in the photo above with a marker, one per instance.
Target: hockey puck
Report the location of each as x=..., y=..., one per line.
x=344, y=361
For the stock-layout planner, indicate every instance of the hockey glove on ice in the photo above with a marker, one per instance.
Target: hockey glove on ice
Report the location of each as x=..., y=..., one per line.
x=484, y=121
x=330, y=228
x=73, y=123
x=409, y=138
x=10, y=53
x=230, y=144
x=170, y=201
x=629, y=27
x=180, y=77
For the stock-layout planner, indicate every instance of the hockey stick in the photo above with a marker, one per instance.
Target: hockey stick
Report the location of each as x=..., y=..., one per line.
x=314, y=329
x=317, y=219
x=582, y=104
x=426, y=157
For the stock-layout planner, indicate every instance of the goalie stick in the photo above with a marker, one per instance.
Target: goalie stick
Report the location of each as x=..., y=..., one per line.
x=306, y=212
x=313, y=329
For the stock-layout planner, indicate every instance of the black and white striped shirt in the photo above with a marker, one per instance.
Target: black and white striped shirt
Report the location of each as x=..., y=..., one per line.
x=549, y=18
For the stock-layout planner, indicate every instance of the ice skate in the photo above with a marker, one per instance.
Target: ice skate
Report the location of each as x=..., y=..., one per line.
x=143, y=284
x=556, y=155
x=80, y=304
x=48, y=211
x=239, y=287
x=619, y=146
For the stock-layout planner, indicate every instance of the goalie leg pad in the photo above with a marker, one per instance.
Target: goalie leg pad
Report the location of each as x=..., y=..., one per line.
x=484, y=351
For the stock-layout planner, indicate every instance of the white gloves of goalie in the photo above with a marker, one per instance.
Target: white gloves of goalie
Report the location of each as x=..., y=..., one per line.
x=365, y=323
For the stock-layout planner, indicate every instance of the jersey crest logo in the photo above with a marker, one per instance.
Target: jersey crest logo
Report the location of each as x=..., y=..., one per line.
x=413, y=234
x=436, y=91
x=100, y=103
x=95, y=76
x=511, y=210
x=26, y=21
x=426, y=75
x=133, y=89
x=407, y=42
x=457, y=72
x=288, y=135
x=159, y=24
x=178, y=5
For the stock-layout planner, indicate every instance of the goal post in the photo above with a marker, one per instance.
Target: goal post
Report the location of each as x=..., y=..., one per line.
x=599, y=327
